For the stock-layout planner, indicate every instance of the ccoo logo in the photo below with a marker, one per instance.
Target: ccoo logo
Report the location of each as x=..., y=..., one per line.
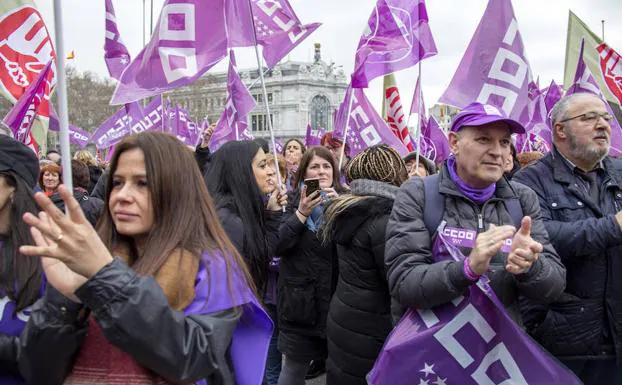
x=25, y=49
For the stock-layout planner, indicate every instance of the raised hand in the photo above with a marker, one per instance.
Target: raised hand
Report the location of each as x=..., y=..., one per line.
x=69, y=239
x=525, y=250
x=308, y=203
x=278, y=199
x=487, y=245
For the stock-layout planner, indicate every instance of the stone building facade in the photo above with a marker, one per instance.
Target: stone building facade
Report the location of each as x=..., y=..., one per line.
x=298, y=93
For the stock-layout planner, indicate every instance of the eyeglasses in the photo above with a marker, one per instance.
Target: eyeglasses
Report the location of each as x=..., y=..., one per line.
x=591, y=117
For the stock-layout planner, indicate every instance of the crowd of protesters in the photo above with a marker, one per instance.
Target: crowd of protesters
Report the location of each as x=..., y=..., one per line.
x=242, y=266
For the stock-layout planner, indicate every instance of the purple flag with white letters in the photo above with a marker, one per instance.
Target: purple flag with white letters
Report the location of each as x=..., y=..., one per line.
x=553, y=94
x=397, y=36
x=468, y=341
x=115, y=53
x=538, y=136
x=278, y=29
x=182, y=126
x=434, y=143
x=494, y=69
x=365, y=127
x=584, y=83
x=191, y=36
x=129, y=120
x=314, y=136
x=233, y=123
x=20, y=118
x=77, y=135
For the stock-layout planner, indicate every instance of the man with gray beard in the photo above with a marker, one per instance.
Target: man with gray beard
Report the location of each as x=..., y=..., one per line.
x=580, y=191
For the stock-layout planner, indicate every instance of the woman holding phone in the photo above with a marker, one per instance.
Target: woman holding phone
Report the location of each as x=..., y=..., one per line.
x=307, y=272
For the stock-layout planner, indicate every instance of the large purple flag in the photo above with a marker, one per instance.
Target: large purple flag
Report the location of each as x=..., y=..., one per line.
x=314, y=136
x=494, y=69
x=129, y=120
x=20, y=118
x=183, y=127
x=397, y=36
x=553, y=94
x=469, y=341
x=365, y=127
x=538, y=136
x=233, y=123
x=77, y=135
x=191, y=36
x=115, y=53
x=434, y=143
x=584, y=82
x=278, y=29
x=417, y=106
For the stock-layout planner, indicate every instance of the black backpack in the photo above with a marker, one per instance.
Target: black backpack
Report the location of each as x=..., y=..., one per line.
x=434, y=205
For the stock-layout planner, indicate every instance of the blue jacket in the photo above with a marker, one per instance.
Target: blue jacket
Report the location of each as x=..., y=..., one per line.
x=587, y=319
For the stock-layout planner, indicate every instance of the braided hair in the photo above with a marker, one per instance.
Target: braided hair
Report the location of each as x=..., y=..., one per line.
x=381, y=163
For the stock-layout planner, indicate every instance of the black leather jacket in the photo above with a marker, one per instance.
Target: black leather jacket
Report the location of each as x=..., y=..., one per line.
x=132, y=312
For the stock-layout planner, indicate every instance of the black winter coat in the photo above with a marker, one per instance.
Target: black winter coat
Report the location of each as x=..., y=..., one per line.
x=91, y=206
x=306, y=281
x=196, y=346
x=359, y=318
x=589, y=242
x=95, y=172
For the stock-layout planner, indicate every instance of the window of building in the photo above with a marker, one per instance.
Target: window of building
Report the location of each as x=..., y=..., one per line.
x=259, y=122
x=320, y=111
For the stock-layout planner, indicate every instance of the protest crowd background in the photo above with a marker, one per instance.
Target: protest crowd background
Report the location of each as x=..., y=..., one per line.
x=391, y=248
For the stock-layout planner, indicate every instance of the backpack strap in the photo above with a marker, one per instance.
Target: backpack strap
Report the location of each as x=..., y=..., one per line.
x=433, y=203
x=515, y=210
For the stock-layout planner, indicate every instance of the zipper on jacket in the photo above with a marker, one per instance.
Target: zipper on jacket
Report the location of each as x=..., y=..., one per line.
x=480, y=222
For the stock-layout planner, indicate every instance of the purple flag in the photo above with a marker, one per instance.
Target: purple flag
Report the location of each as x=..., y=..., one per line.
x=397, y=36
x=314, y=136
x=129, y=120
x=278, y=29
x=434, y=143
x=553, y=94
x=116, y=55
x=494, y=69
x=417, y=106
x=182, y=126
x=469, y=341
x=584, y=83
x=365, y=127
x=77, y=135
x=279, y=146
x=233, y=123
x=20, y=118
x=538, y=136
x=191, y=36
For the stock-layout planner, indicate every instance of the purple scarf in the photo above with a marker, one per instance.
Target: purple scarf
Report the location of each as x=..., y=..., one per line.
x=479, y=196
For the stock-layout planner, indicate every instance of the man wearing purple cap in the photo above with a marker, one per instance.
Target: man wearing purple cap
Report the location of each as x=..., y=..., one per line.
x=580, y=192
x=484, y=210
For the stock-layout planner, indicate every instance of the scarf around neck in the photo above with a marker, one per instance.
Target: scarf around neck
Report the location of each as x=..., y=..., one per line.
x=477, y=195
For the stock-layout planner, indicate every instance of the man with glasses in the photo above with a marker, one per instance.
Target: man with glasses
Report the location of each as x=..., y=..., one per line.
x=580, y=191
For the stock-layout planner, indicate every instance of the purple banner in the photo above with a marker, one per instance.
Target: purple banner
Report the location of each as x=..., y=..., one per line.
x=77, y=135
x=553, y=94
x=20, y=118
x=397, y=36
x=191, y=36
x=584, y=83
x=366, y=127
x=314, y=136
x=278, y=29
x=469, y=341
x=116, y=54
x=434, y=143
x=233, y=123
x=494, y=69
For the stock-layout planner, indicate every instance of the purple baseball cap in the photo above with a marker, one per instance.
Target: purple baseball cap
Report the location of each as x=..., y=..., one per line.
x=478, y=114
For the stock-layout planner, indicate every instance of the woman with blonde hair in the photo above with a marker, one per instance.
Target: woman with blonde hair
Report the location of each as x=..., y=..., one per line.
x=95, y=171
x=157, y=295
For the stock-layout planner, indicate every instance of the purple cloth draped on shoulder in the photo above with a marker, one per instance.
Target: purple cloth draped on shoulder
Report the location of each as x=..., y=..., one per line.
x=249, y=346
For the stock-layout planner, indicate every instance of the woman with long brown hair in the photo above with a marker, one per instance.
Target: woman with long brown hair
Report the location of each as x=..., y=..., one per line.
x=306, y=281
x=174, y=304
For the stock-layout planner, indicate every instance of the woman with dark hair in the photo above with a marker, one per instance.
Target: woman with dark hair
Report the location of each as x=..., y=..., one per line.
x=359, y=318
x=20, y=276
x=293, y=151
x=511, y=165
x=50, y=177
x=175, y=304
x=307, y=271
x=250, y=220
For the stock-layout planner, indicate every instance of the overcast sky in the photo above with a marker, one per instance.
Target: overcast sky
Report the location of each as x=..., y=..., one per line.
x=542, y=23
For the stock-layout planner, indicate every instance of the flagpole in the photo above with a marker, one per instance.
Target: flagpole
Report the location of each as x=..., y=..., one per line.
x=61, y=91
x=419, y=120
x=265, y=98
x=345, y=130
x=144, y=10
x=164, y=114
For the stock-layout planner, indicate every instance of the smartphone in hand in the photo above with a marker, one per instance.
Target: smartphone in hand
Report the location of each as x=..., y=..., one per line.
x=313, y=185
